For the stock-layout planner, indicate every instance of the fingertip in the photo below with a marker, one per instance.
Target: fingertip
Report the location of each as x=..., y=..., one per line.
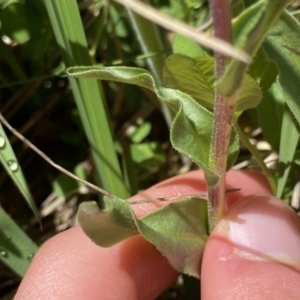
x=70, y=266
x=254, y=252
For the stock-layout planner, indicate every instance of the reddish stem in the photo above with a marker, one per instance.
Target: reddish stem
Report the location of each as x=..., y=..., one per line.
x=223, y=112
x=221, y=15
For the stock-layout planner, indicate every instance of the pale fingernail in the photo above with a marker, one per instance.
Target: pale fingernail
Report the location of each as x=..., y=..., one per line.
x=263, y=228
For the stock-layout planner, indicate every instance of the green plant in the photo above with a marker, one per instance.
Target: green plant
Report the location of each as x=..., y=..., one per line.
x=206, y=96
x=208, y=138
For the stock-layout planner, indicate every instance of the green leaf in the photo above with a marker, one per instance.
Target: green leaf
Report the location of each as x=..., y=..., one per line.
x=178, y=230
x=109, y=226
x=182, y=229
x=195, y=77
x=265, y=72
x=269, y=113
x=192, y=122
x=16, y=248
x=286, y=34
x=13, y=169
x=147, y=155
x=198, y=120
x=184, y=45
x=250, y=30
x=140, y=132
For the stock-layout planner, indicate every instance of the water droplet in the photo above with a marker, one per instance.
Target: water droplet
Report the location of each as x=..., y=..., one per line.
x=2, y=141
x=8, y=237
x=30, y=256
x=13, y=165
x=3, y=253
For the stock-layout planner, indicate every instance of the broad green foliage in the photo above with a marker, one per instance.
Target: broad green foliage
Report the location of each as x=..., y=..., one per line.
x=186, y=85
x=195, y=77
x=192, y=126
x=178, y=230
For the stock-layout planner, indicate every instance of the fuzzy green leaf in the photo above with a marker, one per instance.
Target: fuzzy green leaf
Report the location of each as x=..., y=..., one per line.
x=195, y=77
x=178, y=230
x=286, y=34
x=192, y=121
x=107, y=227
x=182, y=229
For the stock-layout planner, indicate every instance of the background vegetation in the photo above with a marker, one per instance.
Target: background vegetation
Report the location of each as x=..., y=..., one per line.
x=124, y=150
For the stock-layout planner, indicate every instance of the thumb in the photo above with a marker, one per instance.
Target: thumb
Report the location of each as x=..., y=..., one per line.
x=253, y=253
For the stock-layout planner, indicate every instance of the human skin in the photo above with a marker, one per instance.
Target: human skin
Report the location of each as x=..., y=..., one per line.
x=253, y=253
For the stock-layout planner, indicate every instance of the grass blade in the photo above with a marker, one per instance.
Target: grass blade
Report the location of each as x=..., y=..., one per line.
x=12, y=167
x=88, y=94
x=150, y=42
x=16, y=248
x=288, y=144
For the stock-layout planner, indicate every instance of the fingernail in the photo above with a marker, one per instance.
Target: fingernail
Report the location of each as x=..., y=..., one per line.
x=263, y=228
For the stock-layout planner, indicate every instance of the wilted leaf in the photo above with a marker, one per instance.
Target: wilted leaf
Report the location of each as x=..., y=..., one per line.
x=109, y=226
x=178, y=230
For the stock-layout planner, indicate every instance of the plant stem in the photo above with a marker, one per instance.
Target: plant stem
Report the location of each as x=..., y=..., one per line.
x=223, y=114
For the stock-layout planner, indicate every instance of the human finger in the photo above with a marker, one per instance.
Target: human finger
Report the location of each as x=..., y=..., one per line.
x=254, y=252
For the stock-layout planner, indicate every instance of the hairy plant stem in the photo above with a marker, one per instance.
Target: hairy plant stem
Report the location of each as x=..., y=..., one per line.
x=223, y=115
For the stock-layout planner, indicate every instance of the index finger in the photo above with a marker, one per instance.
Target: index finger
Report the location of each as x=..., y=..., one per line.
x=70, y=266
